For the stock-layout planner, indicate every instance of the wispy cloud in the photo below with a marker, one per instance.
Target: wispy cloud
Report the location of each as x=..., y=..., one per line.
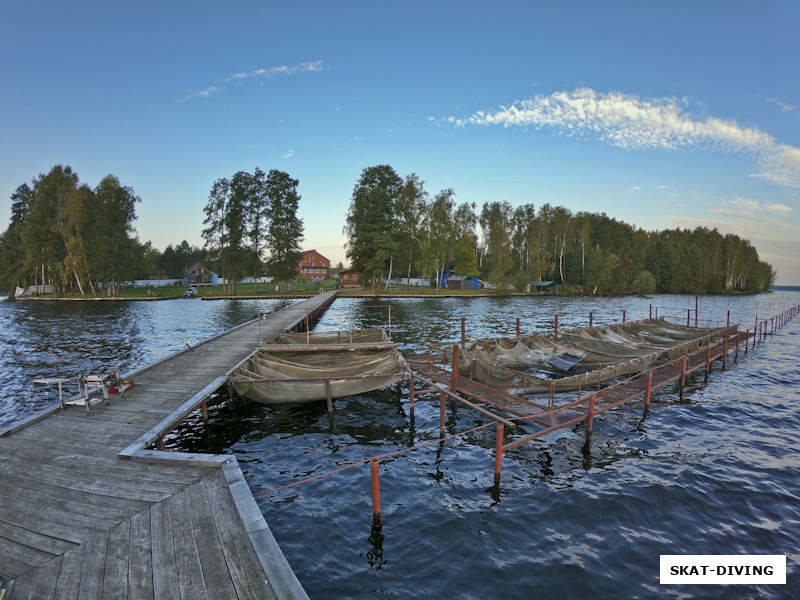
x=749, y=208
x=289, y=154
x=268, y=73
x=631, y=122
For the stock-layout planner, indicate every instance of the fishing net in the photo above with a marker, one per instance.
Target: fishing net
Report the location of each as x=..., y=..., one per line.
x=529, y=364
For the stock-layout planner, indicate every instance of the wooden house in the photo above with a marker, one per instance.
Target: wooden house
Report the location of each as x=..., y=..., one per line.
x=199, y=274
x=314, y=266
x=350, y=277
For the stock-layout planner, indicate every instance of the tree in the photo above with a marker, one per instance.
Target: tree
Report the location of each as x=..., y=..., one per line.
x=285, y=230
x=370, y=221
x=644, y=283
x=257, y=219
x=411, y=206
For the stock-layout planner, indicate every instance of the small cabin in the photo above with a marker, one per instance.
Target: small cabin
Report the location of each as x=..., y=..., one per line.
x=199, y=274
x=350, y=277
x=456, y=282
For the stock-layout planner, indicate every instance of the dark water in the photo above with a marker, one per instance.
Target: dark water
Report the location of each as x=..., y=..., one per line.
x=718, y=473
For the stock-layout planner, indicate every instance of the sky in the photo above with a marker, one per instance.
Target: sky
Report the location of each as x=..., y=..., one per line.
x=660, y=114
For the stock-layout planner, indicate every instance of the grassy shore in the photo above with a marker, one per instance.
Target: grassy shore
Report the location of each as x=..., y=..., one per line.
x=298, y=288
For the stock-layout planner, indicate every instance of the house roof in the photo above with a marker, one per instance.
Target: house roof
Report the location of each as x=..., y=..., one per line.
x=541, y=283
x=194, y=266
x=315, y=250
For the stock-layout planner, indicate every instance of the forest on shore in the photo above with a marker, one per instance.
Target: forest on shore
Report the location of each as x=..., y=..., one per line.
x=395, y=228
x=80, y=239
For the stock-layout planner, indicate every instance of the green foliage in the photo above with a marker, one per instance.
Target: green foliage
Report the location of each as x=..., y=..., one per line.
x=70, y=235
x=285, y=229
x=644, y=283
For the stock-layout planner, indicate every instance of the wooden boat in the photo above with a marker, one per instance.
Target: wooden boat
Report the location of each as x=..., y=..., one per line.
x=319, y=366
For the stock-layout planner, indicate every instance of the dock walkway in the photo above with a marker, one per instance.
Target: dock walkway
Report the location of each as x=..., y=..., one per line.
x=78, y=521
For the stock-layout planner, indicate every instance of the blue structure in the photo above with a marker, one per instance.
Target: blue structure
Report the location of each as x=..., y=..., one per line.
x=451, y=281
x=199, y=274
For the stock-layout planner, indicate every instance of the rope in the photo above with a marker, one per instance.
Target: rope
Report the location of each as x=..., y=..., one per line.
x=380, y=456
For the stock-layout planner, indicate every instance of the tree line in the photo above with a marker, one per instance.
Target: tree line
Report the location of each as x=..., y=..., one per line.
x=248, y=215
x=71, y=235
x=393, y=223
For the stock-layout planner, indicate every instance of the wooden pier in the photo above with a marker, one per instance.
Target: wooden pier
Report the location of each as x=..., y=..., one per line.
x=89, y=510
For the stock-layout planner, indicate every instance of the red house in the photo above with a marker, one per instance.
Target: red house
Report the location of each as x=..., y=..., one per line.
x=314, y=266
x=349, y=277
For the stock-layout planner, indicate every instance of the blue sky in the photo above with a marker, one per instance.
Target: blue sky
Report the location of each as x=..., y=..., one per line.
x=662, y=114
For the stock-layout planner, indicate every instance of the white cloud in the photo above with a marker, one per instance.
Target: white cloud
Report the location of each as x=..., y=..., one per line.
x=750, y=209
x=289, y=154
x=631, y=122
x=269, y=73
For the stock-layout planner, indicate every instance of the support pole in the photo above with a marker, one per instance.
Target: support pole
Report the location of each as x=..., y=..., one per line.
x=724, y=353
x=590, y=419
x=160, y=444
x=374, y=468
x=205, y=411
x=683, y=374
x=463, y=330
x=517, y=327
x=498, y=453
x=651, y=310
x=328, y=398
x=454, y=381
x=442, y=412
x=688, y=316
x=623, y=317
x=556, y=326
x=738, y=336
x=696, y=307
x=708, y=360
x=591, y=318
x=649, y=390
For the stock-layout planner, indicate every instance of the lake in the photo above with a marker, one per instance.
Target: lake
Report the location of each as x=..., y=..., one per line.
x=716, y=473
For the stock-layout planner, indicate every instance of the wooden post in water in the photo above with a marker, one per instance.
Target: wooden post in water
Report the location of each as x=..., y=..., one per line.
x=411, y=393
x=590, y=419
x=591, y=318
x=688, y=315
x=708, y=360
x=738, y=336
x=724, y=352
x=696, y=307
x=442, y=412
x=683, y=374
x=204, y=407
x=556, y=326
x=729, y=318
x=517, y=327
x=498, y=452
x=649, y=390
x=651, y=310
x=454, y=380
x=463, y=330
x=328, y=398
x=623, y=317
x=374, y=467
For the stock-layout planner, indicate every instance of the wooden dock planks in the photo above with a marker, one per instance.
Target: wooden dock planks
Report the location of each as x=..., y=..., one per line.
x=78, y=522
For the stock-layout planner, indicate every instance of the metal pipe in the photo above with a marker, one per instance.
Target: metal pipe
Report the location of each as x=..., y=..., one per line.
x=376, y=492
x=455, y=365
x=498, y=453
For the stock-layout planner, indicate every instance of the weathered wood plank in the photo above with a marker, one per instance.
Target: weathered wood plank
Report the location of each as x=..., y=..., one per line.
x=93, y=568
x=187, y=558
x=246, y=573
x=22, y=586
x=115, y=576
x=165, y=581
x=69, y=579
x=140, y=563
x=212, y=560
x=46, y=580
